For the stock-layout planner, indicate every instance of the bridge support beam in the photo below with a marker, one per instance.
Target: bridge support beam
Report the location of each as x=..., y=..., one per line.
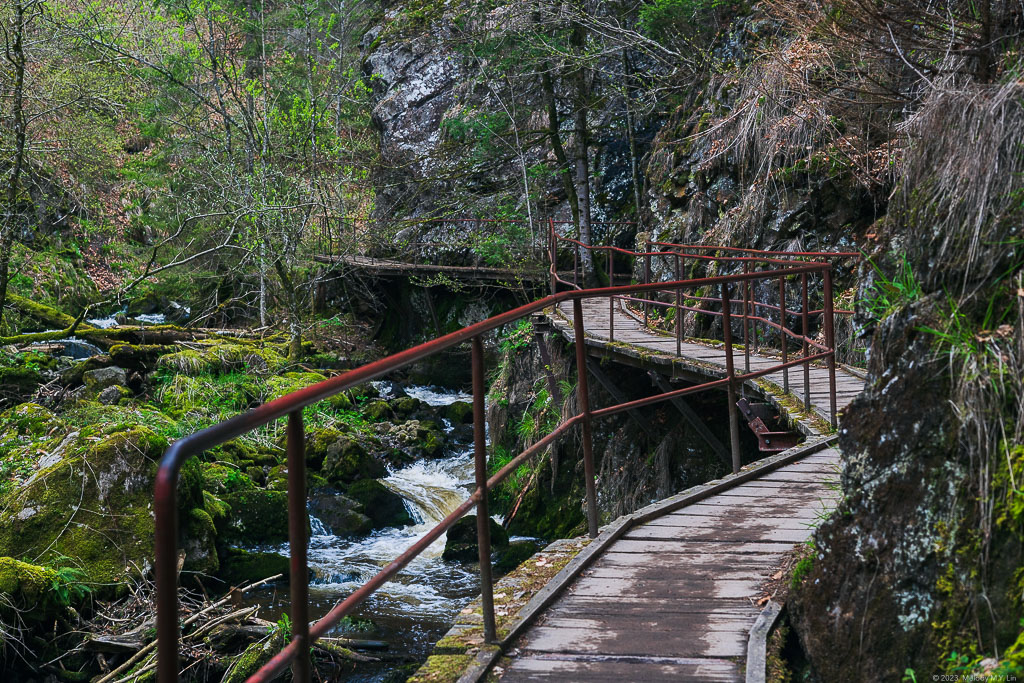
x=298, y=521
x=691, y=416
x=583, y=400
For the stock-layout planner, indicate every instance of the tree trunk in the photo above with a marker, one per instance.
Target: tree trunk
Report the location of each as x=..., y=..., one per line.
x=581, y=96
x=15, y=54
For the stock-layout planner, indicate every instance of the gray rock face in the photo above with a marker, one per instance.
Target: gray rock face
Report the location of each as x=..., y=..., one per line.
x=111, y=395
x=102, y=378
x=413, y=84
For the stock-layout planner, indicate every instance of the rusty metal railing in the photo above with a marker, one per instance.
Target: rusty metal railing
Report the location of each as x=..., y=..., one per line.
x=296, y=653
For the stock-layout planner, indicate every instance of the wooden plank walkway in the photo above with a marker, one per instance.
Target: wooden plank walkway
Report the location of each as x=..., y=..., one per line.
x=390, y=267
x=630, y=331
x=675, y=598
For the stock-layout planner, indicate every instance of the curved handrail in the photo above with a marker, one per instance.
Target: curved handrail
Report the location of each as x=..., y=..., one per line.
x=291, y=405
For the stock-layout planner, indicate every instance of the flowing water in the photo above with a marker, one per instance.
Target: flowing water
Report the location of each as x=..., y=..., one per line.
x=413, y=611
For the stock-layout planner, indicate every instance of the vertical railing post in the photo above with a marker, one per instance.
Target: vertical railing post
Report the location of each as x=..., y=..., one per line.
x=830, y=342
x=583, y=401
x=165, y=507
x=746, y=319
x=805, y=314
x=575, y=265
x=783, y=337
x=679, y=309
x=298, y=526
x=553, y=255
x=734, y=418
x=647, y=279
x=611, y=299
x=483, y=519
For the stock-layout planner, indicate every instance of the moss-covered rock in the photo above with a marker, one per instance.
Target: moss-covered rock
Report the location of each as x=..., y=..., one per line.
x=378, y=410
x=406, y=405
x=223, y=358
x=99, y=379
x=18, y=383
x=94, y=506
x=384, y=507
x=420, y=438
x=28, y=419
x=36, y=593
x=257, y=516
x=218, y=510
x=340, y=514
x=241, y=567
x=219, y=478
x=347, y=461
x=317, y=443
x=459, y=412
x=200, y=542
x=461, y=544
x=291, y=381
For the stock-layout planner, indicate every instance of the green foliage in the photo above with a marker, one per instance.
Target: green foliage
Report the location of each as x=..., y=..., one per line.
x=518, y=338
x=886, y=295
x=662, y=18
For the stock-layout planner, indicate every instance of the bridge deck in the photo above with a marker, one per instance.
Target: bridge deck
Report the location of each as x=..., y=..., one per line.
x=675, y=599
x=630, y=331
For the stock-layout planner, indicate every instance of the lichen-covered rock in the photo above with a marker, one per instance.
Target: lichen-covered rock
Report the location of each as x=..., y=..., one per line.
x=101, y=378
x=420, y=438
x=459, y=412
x=28, y=419
x=94, y=505
x=461, y=544
x=113, y=395
x=406, y=405
x=384, y=507
x=200, y=542
x=28, y=591
x=347, y=461
x=242, y=566
x=378, y=410
x=877, y=571
x=257, y=516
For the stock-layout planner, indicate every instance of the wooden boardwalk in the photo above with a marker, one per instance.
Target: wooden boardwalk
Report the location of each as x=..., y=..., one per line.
x=675, y=598
x=707, y=358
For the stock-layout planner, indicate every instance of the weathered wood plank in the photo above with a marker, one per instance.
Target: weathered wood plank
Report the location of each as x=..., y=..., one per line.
x=618, y=670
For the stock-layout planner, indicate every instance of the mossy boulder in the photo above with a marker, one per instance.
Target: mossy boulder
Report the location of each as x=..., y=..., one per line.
x=461, y=544
x=240, y=567
x=37, y=593
x=317, y=443
x=257, y=516
x=219, y=478
x=223, y=358
x=200, y=542
x=378, y=410
x=406, y=405
x=218, y=510
x=291, y=381
x=137, y=356
x=94, y=505
x=28, y=419
x=459, y=412
x=18, y=383
x=347, y=461
x=384, y=507
x=116, y=395
x=341, y=515
x=421, y=438
x=99, y=379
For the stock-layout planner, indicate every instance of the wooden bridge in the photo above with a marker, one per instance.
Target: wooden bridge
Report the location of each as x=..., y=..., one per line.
x=674, y=591
x=671, y=591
